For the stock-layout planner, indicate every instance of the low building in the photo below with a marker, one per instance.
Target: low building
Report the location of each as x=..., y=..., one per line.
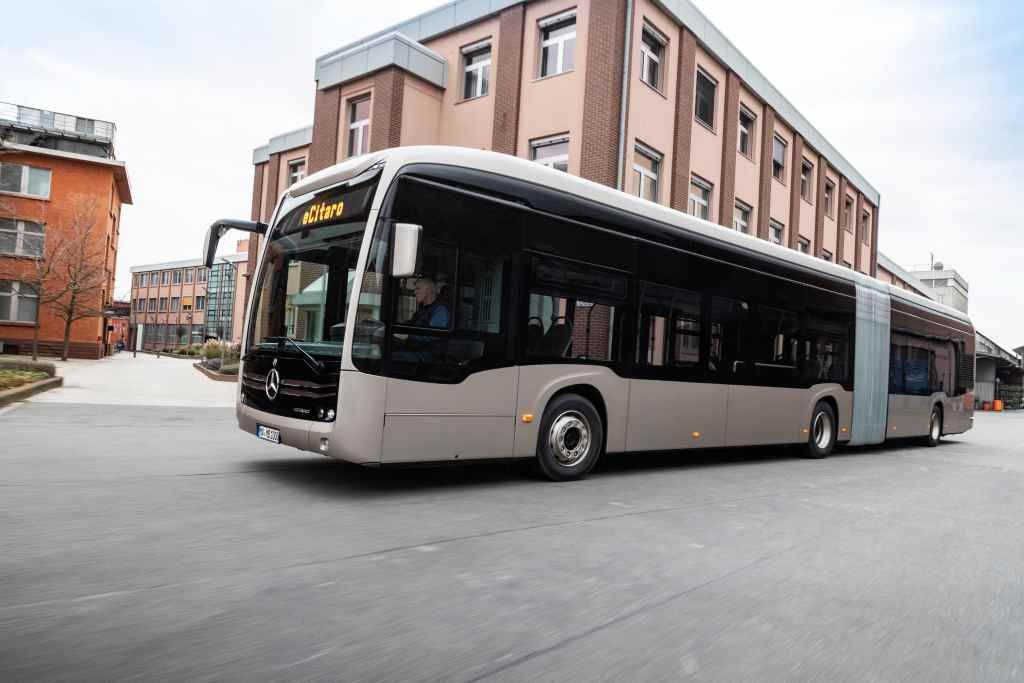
x=182, y=302
x=945, y=284
x=997, y=372
x=61, y=193
x=896, y=275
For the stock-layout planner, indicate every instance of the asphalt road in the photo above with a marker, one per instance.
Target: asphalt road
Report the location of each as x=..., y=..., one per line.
x=164, y=544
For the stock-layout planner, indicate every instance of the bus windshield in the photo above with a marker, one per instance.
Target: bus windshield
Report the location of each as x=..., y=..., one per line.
x=306, y=280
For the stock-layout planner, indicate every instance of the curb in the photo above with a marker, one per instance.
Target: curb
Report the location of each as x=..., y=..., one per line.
x=216, y=376
x=27, y=390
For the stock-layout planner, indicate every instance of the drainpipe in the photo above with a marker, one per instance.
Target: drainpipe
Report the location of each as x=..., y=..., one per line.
x=627, y=50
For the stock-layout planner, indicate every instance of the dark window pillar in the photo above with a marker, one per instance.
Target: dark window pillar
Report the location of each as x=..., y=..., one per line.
x=727, y=193
x=797, y=163
x=684, y=119
x=508, y=74
x=819, y=208
x=603, y=98
x=323, y=151
x=764, y=200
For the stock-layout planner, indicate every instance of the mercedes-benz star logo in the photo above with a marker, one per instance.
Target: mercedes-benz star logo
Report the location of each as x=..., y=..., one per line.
x=273, y=384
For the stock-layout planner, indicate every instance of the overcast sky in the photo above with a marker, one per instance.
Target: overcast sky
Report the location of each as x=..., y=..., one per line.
x=923, y=97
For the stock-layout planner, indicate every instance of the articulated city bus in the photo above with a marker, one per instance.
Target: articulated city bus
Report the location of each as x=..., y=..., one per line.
x=436, y=304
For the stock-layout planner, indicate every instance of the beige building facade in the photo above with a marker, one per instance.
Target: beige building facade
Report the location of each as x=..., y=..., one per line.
x=644, y=96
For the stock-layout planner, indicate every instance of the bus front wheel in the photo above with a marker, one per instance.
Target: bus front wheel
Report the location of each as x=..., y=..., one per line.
x=571, y=438
x=822, y=437
x=934, y=428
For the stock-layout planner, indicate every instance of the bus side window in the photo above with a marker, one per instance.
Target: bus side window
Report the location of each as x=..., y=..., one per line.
x=726, y=355
x=670, y=326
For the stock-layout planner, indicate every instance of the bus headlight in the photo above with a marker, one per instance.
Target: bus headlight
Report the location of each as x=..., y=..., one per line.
x=330, y=414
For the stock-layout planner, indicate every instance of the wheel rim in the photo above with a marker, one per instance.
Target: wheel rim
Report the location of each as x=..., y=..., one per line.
x=569, y=438
x=822, y=430
x=935, y=427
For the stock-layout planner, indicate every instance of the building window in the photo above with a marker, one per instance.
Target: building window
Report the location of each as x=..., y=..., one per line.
x=476, y=70
x=806, y=180
x=140, y=305
x=652, y=51
x=865, y=231
x=186, y=303
x=704, y=108
x=803, y=245
x=359, y=127
x=826, y=255
x=775, y=230
x=21, y=238
x=188, y=276
x=847, y=264
x=779, y=159
x=746, y=134
x=152, y=305
x=848, y=214
x=830, y=192
x=557, y=44
x=201, y=274
x=741, y=217
x=143, y=279
x=700, y=198
x=296, y=171
x=27, y=180
x=200, y=303
x=174, y=304
x=552, y=152
x=646, y=164
x=18, y=302
x=165, y=277
x=163, y=304
x=177, y=277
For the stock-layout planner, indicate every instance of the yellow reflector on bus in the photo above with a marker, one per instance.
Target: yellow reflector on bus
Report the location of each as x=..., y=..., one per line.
x=527, y=417
x=695, y=435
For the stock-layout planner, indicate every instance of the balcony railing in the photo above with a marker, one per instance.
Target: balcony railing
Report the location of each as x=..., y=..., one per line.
x=92, y=129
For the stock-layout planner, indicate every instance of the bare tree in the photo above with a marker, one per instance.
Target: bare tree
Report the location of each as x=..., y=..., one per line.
x=80, y=267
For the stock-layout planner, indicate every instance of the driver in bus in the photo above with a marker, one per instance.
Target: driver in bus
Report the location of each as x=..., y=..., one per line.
x=430, y=311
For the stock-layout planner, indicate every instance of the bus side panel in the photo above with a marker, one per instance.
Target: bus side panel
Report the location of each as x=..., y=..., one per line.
x=776, y=415
x=666, y=415
x=909, y=415
x=357, y=430
x=538, y=383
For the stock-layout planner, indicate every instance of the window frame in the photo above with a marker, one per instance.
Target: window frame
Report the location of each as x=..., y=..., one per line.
x=865, y=227
x=807, y=180
x=749, y=129
x=742, y=206
x=826, y=255
x=830, y=198
x=16, y=295
x=647, y=176
x=550, y=24
x=780, y=175
x=656, y=55
x=693, y=201
x=24, y=181
x=356, y=128
x=803, y=245
x=296, y=170
x=19, y=233
x=483, y=88
x=697, y=96
x=774, y=225
x=849, y=207
x=551, y=162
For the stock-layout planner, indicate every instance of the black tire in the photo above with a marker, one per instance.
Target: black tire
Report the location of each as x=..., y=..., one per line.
x=821, y=437
x=571, y=438
x=934, y=435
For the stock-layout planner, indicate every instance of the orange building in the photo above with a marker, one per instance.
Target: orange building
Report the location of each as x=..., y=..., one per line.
x=60, y=186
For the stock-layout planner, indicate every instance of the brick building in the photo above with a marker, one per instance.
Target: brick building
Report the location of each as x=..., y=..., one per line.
x=646, y=96
x=182, y=302
x=58, y=176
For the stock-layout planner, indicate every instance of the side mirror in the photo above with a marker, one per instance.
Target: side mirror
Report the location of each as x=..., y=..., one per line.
x=407, y=248
x=218, y=229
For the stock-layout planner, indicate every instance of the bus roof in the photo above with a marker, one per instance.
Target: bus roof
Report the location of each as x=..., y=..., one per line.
x=522, y=169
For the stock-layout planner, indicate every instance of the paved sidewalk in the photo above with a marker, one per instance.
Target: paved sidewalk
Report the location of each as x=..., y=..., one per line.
x=142, y=381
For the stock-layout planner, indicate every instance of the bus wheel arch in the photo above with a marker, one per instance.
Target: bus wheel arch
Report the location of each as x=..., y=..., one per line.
x=822, y=430
x=572, y=434
x=936, y=423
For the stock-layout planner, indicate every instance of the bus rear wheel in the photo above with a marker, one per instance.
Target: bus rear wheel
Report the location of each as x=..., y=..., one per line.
x=822, y=437
x=934, y=428
x=571, y=438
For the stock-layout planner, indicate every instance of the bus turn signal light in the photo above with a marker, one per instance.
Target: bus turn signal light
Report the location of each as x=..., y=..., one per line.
x=695, y=435
x=527, y=418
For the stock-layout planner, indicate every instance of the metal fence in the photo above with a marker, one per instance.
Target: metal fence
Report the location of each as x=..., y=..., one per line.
x=93, y=129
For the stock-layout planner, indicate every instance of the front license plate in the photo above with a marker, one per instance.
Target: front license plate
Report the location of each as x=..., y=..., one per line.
x=268, y=433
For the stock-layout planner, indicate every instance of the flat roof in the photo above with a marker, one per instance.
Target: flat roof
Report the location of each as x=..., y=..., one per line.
x=458, y=13
x=124, y=188
x=170, y=265
x=903, y=274
x=300, y=137
x=530, y=171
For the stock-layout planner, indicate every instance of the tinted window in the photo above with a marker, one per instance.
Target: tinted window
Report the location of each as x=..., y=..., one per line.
x=725, y=355
x=670, y=326
x=575, y=312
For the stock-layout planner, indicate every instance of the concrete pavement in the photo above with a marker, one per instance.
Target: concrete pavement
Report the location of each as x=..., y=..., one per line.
x=168, y=545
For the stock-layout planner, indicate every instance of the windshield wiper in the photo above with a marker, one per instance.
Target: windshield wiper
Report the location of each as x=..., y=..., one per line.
x=316, y=365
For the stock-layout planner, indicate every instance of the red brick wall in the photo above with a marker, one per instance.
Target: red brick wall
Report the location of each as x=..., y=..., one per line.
x=840, y=208
x=323, y=150
x=508, y=73
x=273, y=180
x=684, y=120
x=858, y=242
x=602, y=97
x=794, y=190
x=874, y=242
x=69, y=180
x=386, y=119
x=727, y=195
x=764, y=198
x=819, y=209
